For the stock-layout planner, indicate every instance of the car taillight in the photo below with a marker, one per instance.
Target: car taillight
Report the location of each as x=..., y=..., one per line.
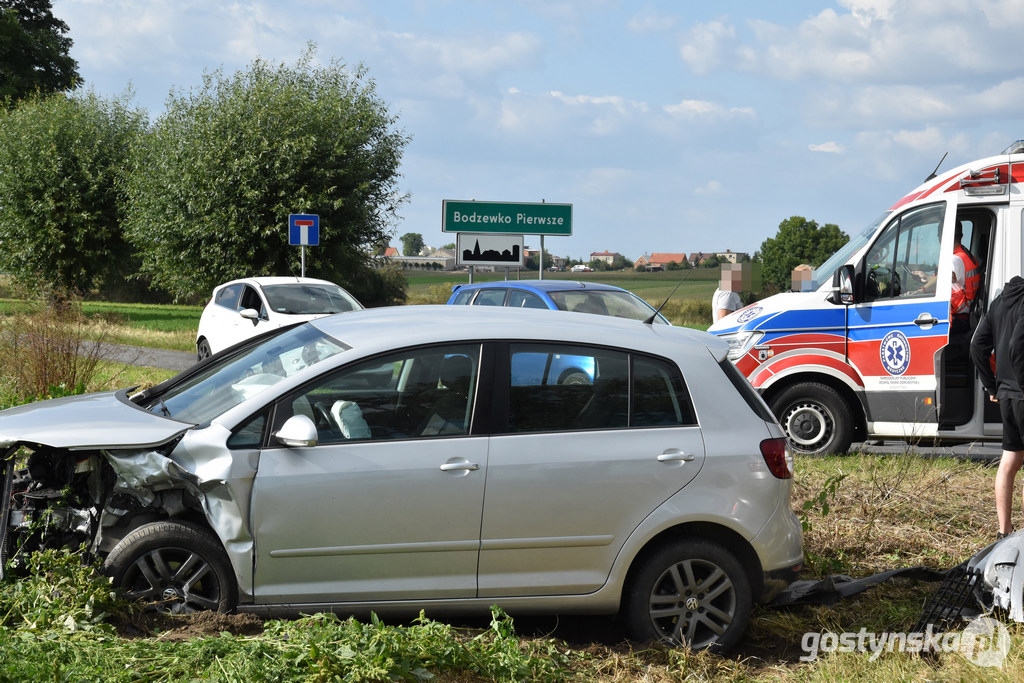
x=778, y=458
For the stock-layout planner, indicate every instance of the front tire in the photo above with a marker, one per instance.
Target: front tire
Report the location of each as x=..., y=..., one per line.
x=693, y=592
x=173, y=567
x=203, y=350
x=815, y=418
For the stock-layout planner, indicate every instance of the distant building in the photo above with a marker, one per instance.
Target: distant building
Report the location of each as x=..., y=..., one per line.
x=659, y=260
x=606, y=256
x=727, y=256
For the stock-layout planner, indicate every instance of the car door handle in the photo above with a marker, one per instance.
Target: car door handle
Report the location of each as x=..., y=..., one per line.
x=674, y=455
x=457, y=466
x=926, y=319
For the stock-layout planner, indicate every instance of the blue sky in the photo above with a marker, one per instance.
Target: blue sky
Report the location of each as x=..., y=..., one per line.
x=670, y=126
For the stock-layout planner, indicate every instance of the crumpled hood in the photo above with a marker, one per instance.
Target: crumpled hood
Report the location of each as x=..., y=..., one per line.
x=91, y=421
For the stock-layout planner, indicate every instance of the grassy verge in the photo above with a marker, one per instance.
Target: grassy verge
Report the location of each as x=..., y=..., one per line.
x=865, y=514
x=154, y=326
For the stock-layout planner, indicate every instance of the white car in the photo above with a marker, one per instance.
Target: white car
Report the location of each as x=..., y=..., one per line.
x=426, y=457
x=251, y=306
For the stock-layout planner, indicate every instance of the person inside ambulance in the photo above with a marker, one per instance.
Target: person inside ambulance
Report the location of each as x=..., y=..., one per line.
x=966, y=280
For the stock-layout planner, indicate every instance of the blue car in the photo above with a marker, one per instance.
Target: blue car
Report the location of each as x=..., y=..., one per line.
x=558, y=295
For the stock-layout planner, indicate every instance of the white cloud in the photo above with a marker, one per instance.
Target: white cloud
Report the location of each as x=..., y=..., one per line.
x=706, y=46
x=708, y=111
x=911, y=41
x=887, y=106
x=554, y=111
x=649, y=21
x=830, y=147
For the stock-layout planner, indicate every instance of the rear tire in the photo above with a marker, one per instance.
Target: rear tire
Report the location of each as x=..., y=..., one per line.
x=693, y=592
x=575, y=377
x=815, y=417
x=173, y=567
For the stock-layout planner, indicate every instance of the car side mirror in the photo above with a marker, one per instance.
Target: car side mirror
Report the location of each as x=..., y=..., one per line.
x=296, y=432
x=842, y=286
x=249, y=314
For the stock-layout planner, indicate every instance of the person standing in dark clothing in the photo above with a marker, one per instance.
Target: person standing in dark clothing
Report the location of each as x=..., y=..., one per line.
x=1002, y=331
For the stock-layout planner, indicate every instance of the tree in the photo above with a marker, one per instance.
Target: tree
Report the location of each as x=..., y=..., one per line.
x=34, y=50
x=620, y=262
x=412, y=243
x=61, y=161
x=797, y=241
x=211, y=188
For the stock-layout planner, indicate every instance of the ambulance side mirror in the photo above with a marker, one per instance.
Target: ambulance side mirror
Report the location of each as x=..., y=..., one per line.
x=842, y=286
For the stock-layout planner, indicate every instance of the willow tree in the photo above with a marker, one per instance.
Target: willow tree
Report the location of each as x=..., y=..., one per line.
x=214, y=181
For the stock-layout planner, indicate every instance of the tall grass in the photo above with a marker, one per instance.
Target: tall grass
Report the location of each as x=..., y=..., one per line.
x=48, y=347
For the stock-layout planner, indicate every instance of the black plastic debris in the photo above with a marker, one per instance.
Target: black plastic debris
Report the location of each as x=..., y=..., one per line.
x=950, y=600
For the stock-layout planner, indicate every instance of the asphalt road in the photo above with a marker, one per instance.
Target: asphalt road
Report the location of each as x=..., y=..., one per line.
x=156, y=358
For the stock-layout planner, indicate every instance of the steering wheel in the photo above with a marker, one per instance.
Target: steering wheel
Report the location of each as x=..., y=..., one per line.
x=323, y=418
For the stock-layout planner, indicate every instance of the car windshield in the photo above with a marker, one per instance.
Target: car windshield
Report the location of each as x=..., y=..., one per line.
x=309, y=299
x=605, y=302
x=222, y=386
x=824, y=272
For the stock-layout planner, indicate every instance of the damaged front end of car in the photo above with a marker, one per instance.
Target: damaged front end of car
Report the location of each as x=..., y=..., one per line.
x=57, y=497
x=92, y=472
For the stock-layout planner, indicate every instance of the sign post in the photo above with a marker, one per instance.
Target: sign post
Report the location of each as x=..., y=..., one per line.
x=303, y=231
x=515, y=218
x=507, y=218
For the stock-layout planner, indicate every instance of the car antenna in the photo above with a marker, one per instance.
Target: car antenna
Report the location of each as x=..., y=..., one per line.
x=650, y=321
x=937, y=167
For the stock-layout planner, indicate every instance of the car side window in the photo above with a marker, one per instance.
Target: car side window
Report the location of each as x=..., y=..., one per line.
x=228, y=296
x=490, y=297
x=416, y=393
x=249, y=434
x=904, y=261
x=560, y=387
x=519, y=298
x=251, y=299
x=463, y=297
x=565, y=388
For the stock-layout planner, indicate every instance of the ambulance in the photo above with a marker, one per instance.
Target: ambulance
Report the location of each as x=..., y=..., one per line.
x=869, y=348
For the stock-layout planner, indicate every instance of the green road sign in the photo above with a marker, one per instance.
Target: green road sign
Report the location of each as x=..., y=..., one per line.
x=516, y=218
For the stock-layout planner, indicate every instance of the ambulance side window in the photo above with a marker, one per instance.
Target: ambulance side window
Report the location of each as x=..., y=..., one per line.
x=904, y=262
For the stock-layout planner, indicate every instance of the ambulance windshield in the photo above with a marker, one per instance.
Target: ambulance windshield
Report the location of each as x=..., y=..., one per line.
x=824, y=272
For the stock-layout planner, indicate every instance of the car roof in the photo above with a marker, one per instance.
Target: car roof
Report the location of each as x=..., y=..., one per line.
x=277, y=280
x=376, y=329
x=541, y=285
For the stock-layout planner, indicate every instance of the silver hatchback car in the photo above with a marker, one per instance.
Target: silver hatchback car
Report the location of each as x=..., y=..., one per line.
x=426, y=457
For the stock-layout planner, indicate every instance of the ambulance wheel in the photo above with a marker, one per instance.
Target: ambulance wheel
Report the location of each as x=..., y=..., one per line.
x=815, y=417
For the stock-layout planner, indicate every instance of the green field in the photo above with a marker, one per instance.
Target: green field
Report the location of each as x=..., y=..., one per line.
x=173, y=327
x=697, y=284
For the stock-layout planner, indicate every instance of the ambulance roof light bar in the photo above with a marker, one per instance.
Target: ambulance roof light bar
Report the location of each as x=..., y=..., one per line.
x=1016, y=148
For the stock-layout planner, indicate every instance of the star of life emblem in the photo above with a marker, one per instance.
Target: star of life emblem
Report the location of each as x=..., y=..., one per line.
x=895, y=353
